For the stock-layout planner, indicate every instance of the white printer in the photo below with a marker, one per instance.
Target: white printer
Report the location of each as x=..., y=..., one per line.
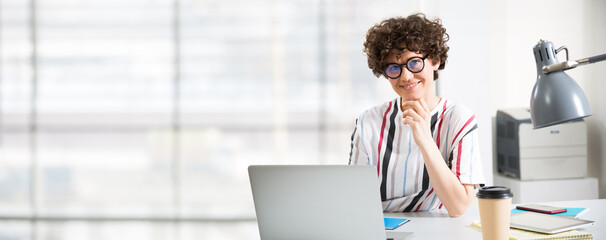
x=554, y=152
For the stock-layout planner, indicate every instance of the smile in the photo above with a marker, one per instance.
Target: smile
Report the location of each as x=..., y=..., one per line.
x=410, y=86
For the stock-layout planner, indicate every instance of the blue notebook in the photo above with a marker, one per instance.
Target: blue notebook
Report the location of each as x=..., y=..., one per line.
x=393, y=223
x=570, y=212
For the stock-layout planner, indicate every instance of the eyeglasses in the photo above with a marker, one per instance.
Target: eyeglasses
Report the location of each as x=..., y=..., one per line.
x=413, y=64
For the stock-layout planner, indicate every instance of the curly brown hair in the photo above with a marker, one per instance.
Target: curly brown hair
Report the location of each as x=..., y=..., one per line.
x=416, y=33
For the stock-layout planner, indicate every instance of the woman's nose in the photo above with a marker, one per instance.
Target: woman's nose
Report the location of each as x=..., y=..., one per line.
x=407, y=74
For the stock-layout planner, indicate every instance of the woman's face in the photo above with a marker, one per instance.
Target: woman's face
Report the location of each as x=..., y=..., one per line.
x=413, y=86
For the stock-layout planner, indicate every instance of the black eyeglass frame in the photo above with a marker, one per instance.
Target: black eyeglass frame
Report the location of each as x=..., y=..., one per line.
x=404, y=65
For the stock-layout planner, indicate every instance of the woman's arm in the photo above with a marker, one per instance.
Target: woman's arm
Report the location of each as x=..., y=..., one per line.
x=454, y=195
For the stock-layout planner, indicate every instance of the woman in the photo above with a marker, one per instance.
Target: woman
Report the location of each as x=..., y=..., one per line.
x=425, y=147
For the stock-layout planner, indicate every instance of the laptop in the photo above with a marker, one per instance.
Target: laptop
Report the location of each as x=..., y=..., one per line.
x=318, y=202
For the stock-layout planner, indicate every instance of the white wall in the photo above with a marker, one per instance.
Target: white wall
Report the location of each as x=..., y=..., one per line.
x=491, y=65
x=465, y=79
x=594, y=85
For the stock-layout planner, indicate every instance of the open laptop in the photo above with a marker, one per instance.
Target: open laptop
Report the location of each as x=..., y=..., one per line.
x=318, y=202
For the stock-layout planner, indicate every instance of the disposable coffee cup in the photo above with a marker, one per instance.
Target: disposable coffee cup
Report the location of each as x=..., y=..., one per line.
x=495, y=212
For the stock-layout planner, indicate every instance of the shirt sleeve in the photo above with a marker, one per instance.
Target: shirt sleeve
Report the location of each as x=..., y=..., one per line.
x=358, y=154
x=465, y=160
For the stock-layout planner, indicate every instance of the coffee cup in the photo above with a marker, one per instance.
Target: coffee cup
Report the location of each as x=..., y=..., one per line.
x=495, y=212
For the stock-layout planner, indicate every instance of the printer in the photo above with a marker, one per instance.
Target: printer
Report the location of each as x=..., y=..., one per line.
x=554, y=152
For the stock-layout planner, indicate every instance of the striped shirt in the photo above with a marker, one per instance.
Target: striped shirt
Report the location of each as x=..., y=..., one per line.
x=383, y=140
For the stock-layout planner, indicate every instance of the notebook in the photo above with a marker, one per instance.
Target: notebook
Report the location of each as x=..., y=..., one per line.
x=318, y=202
x=518, y=234
x=546, y=223
x=393, y=223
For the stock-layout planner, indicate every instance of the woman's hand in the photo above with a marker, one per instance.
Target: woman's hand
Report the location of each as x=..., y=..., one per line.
x=418, y=116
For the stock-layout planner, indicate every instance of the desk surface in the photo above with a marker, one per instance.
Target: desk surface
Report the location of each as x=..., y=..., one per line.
x=438, y=225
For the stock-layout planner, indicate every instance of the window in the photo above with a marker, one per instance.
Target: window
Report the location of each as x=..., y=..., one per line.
x=138, y=114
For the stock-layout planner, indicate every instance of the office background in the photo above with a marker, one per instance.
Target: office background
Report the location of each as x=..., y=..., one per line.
x=137, y=119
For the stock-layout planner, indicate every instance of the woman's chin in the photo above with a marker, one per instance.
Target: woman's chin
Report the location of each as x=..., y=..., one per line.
x=410, y=98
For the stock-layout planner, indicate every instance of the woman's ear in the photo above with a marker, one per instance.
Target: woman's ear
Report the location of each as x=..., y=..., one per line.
x=435, y=64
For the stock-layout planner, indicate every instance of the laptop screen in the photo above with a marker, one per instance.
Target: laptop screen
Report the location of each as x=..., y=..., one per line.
x=317, y=201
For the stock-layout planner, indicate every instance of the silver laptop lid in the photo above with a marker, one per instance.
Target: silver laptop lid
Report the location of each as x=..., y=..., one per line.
x=317, y=202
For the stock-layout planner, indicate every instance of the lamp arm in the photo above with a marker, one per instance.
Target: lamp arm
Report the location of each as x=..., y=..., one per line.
x=597, y=58
x=573, y=63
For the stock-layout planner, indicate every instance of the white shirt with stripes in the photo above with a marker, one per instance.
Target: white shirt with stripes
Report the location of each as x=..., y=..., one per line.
x=383, y=140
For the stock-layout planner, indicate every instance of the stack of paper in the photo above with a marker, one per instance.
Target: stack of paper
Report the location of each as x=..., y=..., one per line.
x=517, y=234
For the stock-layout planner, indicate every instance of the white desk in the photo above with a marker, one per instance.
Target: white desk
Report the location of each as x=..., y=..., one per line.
x=438, y=225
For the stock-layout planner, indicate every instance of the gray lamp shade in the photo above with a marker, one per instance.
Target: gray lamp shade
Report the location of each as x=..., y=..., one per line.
x=556, y=98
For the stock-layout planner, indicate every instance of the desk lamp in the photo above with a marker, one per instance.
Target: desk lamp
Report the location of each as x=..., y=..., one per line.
x=556, y=98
